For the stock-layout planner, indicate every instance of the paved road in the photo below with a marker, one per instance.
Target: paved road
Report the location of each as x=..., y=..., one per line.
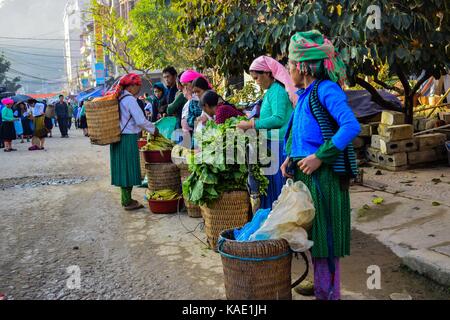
x=59, y=211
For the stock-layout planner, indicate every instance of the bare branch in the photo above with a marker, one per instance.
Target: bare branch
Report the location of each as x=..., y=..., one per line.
x=376, y=97
x=386, y=86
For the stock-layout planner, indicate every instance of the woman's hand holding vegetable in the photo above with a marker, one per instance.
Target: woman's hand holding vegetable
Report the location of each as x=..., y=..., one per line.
x=245, y=125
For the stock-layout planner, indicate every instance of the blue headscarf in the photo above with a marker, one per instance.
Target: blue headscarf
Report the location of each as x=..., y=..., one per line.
x=160, y=86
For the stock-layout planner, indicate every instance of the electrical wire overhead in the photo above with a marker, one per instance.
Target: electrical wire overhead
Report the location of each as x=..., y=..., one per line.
x=40, y=39
x=34, y=54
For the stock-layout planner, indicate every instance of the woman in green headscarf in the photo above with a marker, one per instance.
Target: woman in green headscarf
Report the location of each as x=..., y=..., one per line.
x=320, y=154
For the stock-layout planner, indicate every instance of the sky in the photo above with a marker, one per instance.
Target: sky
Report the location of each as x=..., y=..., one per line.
x=38, y=19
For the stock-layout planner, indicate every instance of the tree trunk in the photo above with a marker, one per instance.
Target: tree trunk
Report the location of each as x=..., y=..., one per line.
x=409, y=108
x=234, y=82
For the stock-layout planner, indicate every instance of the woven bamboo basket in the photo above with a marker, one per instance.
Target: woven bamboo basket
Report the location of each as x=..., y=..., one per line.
x=184, y=171
x=142, y=162
x=256, y=270
x=103, y=121
x=163, y=176
x=193, y=210
x=229, y=211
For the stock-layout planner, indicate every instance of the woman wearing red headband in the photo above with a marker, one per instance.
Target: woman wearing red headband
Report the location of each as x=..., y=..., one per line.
x=7, y=131
x=125, y=165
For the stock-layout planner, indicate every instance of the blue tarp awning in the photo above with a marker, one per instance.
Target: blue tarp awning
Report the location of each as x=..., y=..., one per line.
x=92, y=93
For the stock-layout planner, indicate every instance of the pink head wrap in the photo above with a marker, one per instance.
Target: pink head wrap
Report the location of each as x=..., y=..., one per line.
x=191, y=75
x=279, y=72
x=7, y=101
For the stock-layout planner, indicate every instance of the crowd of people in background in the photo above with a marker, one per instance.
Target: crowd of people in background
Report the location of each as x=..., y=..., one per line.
x=189, y=97
x=34, y=121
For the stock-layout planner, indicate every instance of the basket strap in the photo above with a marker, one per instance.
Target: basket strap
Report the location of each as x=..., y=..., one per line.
x=120, y=100
x=305, y=274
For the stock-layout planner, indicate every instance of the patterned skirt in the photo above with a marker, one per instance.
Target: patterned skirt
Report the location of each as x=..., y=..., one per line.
x=125, y=162
x=40, y=130
x=338, y=203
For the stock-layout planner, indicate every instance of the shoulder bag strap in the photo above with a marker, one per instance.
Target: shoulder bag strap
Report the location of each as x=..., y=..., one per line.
x=120, y=101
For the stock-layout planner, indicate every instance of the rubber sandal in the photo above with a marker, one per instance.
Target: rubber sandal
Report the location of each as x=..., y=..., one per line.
x=134, y=205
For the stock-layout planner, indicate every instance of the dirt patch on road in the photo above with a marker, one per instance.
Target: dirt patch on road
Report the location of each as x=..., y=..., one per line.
x=40, y=181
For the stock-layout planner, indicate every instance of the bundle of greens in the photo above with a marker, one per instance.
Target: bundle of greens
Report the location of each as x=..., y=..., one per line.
x=211, y=173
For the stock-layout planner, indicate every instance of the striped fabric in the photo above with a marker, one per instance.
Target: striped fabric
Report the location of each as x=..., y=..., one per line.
x=125, y=163
x=345, y=164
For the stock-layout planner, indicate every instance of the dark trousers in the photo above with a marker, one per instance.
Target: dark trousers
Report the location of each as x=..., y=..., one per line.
x=69, y=123
x=62, y=124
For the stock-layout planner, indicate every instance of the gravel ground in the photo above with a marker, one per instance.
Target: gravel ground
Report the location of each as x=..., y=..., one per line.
x=59, y=211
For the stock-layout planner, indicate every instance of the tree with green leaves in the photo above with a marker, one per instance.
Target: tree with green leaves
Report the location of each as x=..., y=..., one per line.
x=149, y=40
x=11, y=85
x=411, y=37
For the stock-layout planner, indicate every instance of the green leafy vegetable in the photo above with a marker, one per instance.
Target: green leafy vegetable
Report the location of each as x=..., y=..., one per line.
x=211, y=171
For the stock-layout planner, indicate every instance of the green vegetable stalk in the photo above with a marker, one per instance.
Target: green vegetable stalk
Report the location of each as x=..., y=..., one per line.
x=211, y=175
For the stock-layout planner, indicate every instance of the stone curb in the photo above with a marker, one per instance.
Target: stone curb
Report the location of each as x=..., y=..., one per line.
x=431, y=264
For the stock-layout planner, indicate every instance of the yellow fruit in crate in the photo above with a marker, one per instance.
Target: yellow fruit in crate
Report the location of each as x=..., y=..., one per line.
x=158, y=143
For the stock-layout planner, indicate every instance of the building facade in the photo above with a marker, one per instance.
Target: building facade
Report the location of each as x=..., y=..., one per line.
x=87, y=63
x=125, y=6
x=72, y=42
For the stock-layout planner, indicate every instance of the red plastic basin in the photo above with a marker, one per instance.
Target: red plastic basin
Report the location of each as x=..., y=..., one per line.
x=158, y=156
x=165, y=206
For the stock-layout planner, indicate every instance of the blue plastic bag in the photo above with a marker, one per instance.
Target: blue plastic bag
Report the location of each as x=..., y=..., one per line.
x=244, y=233
x=18, y=127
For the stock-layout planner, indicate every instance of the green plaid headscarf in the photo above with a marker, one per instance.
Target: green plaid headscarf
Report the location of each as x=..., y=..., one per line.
x=312, y=51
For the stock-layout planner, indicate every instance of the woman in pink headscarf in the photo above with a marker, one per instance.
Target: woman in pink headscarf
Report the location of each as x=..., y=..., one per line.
x=276, y=110
x=192, y=109
x=7, y=131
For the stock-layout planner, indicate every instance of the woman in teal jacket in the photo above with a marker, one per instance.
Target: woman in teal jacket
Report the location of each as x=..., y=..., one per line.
x=276, y=110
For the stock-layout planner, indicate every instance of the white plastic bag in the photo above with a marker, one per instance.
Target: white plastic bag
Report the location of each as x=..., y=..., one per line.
x=292, y=213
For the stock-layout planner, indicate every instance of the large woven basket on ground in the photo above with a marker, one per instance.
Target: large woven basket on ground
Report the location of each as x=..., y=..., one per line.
x=163, y=176
x=193, y=210
x=256, y=270
x=229, y=211
x=103, y=121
